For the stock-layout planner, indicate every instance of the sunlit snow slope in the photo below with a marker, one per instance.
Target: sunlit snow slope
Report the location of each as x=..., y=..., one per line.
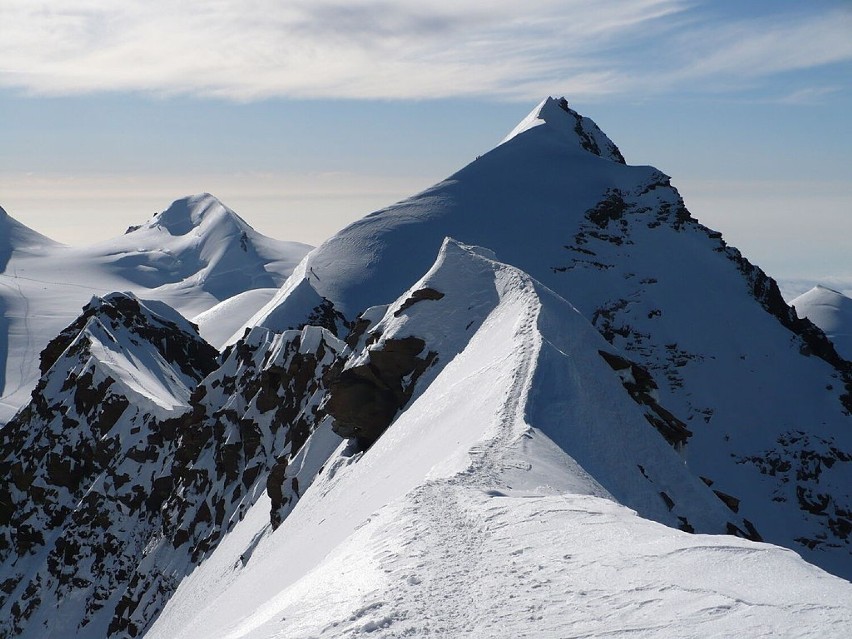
x=493, y=504
x=193, y=255
x=765, y=394
x=832, y=312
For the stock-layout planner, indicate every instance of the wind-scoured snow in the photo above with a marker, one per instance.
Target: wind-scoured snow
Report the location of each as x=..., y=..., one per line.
x=832, y=312
x=193, y=255
x=492, y=504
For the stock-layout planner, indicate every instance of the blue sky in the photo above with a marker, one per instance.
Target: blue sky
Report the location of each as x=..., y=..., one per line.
x=305, y=115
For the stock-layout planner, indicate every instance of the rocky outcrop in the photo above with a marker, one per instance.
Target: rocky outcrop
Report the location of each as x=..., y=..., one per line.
x=85, y=459
x=641, y=386
x=592, y=139
x=364, y=398
x=112, y=494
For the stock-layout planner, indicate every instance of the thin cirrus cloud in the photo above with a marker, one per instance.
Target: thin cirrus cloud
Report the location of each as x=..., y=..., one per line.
x=251, y=49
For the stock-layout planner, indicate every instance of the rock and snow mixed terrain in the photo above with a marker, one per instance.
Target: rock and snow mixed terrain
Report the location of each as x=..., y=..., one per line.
x=492, y=504
x=580, y=416
x=192, y=256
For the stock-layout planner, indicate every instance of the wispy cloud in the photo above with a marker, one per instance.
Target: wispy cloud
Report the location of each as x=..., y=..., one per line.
x=809, y=95
x=250, y=49
x=765, y=46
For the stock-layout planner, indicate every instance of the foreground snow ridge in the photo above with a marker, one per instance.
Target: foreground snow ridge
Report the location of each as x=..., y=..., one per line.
x=471, y=516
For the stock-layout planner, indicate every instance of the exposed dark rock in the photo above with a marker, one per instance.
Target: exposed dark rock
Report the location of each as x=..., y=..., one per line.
x=329, y=318
x=275, y=489
x=729, y=500
x=640, y=385
x=685, y=526
x=417, y=296
x=587, y=139
x=364, y=399
x=191, y=356
x=610, y=209
x=76, y=457
x=750, y=531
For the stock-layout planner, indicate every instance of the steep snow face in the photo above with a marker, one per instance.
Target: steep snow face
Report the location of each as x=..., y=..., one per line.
x=832, y=312
x=565, y=386
x=507, y=200
x=192, y=256
x=85, y=469
x=577, y=129
x=765, y=394
x=491, y=500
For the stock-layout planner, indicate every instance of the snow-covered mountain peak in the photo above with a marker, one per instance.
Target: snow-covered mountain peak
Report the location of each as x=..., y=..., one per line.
x=217, y=256
x=127, y=305
x=562, y=120
x=191, y=212
x=832, y=311
x=824, y=293
x=106, y=341
x=199, y=243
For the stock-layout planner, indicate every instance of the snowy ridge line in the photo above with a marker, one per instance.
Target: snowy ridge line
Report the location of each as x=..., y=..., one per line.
x=527, y=431
x=426, y=553
x=765, y=394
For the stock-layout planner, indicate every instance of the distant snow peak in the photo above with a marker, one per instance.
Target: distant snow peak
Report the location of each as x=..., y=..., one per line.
x=188, y=213
x=831, y=311
x=563, y=120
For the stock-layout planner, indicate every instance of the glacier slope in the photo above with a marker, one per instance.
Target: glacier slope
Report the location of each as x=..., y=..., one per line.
x=218, y=323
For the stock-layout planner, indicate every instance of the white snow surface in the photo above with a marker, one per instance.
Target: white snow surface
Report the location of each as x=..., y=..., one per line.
x=493, y=505
x=193, y=255
x=219, y=322
x=832, y=311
